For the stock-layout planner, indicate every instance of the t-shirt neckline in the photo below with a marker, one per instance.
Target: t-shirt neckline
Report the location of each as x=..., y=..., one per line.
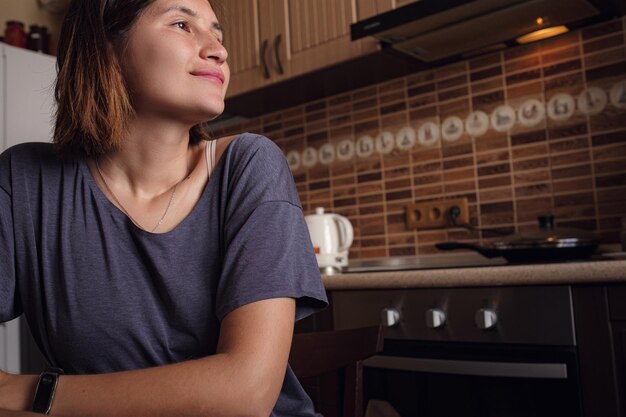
x=116, y=211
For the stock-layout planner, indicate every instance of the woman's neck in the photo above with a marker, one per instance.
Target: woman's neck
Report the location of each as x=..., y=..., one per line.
x=152, y=159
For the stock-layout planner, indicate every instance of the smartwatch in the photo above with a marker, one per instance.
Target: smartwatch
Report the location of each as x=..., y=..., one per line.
x=46, y=387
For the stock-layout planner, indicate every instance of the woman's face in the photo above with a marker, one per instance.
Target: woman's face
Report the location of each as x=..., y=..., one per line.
x=175, y=63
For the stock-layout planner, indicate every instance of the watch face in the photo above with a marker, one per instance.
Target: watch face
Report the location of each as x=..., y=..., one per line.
x=45, y=391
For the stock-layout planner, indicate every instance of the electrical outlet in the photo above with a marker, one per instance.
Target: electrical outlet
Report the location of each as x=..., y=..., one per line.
x=436, y=214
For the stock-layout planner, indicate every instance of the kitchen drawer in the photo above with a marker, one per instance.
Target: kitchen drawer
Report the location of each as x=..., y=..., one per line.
x=617, y=302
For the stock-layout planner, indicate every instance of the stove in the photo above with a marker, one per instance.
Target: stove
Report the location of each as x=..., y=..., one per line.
x=400, y=263
x=450, y=260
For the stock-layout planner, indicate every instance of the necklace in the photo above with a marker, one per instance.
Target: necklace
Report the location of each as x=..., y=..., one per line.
x=169, y=203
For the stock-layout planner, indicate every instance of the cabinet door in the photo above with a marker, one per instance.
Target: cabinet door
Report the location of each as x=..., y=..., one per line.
x=243, y=39
x=318, y=34
x=369, y=8
x=400, y=3
x=619, y=338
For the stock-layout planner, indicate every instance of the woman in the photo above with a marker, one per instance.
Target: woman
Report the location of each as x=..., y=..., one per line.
x=162, y=272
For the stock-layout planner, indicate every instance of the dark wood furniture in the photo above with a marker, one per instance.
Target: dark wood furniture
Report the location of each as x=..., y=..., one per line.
x=318, y=353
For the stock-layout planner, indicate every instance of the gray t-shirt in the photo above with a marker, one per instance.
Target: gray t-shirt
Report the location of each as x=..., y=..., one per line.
x=102, y=295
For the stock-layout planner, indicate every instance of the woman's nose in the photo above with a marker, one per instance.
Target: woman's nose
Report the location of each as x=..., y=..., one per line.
x=214, y=49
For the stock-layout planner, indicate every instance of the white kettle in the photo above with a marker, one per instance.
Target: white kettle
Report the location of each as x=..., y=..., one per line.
x=332, y=237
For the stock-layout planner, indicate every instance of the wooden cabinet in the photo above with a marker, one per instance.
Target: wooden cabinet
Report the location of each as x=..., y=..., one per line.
x=243, y=34
x=269, y=41
x=617, y=311
x=600, y=318
x=318, y=34
x=369, y=8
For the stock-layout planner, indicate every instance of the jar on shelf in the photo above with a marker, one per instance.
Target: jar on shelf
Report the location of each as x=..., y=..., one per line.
x=34, y=40
x=14, y=34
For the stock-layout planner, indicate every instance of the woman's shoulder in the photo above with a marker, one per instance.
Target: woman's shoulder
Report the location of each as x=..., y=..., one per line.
x=257, y=168
x=31, y=161
x=30, y=152
x=254, y=152
x=251, y=143
x=29, y=155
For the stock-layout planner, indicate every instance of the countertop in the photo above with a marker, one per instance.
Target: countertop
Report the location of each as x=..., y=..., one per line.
x=575, y=272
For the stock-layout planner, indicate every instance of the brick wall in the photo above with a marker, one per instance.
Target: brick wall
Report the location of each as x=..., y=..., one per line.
x=570, y=165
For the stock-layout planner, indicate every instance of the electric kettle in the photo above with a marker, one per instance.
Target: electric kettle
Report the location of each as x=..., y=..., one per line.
x=332, y=236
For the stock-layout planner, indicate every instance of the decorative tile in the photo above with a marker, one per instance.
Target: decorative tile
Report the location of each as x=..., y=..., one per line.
x=605, y=57
x=574, y=169
x=485, y=61
x=561, y=55
x=525, y=76
x=493, y=169
x=562, y=67
x=606, y=71
x=603, y=43
x=452, y=82
x=602, y=29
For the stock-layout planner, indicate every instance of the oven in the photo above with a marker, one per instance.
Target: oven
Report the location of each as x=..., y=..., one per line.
x=488, y=351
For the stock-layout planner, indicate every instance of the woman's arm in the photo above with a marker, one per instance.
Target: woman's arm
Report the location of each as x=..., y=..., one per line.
x=243, y=378
x=9, y=413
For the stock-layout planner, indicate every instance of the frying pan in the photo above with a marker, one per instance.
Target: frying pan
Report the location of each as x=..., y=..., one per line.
x=540, y=245
x=527, y=254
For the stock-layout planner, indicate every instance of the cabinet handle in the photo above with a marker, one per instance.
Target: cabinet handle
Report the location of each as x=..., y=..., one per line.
x=266, y=69
x=279, y=64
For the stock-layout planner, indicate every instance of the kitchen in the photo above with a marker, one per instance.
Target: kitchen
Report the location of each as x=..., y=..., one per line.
x=571, y=167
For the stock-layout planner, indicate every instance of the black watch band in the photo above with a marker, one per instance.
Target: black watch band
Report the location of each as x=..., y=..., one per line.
x=46, y=387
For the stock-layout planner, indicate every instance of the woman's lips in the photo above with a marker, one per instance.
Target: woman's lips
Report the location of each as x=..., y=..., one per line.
x=216, y=76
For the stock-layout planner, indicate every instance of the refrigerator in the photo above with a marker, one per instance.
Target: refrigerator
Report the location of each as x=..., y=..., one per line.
x=26, y=115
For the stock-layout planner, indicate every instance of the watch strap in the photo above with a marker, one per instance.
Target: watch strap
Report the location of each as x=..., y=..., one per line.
x=46, y=387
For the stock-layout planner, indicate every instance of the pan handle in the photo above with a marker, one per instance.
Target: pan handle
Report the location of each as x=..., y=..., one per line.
x=486, y=252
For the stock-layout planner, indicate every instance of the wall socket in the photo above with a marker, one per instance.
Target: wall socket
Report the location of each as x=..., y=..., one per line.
x=435, y=214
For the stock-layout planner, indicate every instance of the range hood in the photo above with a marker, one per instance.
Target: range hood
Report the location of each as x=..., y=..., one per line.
x=437, y=30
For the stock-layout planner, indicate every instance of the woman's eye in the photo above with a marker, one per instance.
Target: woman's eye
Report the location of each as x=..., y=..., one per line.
x=181, y=25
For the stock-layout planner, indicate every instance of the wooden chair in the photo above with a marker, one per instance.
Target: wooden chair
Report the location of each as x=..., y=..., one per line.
x=318, y=353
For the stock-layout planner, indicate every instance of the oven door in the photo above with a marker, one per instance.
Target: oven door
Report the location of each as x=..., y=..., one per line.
x=490, y=351
x=460, y=379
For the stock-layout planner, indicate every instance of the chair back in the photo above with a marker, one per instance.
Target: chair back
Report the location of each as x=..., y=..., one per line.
x=318, y=353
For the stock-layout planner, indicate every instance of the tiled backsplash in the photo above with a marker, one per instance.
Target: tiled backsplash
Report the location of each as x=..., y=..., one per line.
x=570, y=162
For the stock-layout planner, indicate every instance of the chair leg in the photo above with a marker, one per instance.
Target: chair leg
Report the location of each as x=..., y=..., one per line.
x=353, y=390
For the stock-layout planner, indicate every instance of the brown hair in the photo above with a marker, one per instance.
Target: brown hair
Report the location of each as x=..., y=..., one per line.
x=93, y=103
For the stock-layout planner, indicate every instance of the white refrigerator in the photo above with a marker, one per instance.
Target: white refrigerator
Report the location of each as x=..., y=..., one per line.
x=26, y=115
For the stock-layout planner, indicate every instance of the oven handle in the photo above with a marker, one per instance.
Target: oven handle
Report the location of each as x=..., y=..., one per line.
x=481, y=368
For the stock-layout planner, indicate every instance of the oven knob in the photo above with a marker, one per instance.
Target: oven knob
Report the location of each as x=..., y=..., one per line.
x=486, y=318
x=435, y=318
x=389, y=317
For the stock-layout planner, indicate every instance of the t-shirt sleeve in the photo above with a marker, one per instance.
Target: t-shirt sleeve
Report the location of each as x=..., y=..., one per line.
x=9, y=305
x=268, y=251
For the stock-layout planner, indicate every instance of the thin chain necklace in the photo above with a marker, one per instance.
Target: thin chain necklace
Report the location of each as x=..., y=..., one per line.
x=169, y=203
